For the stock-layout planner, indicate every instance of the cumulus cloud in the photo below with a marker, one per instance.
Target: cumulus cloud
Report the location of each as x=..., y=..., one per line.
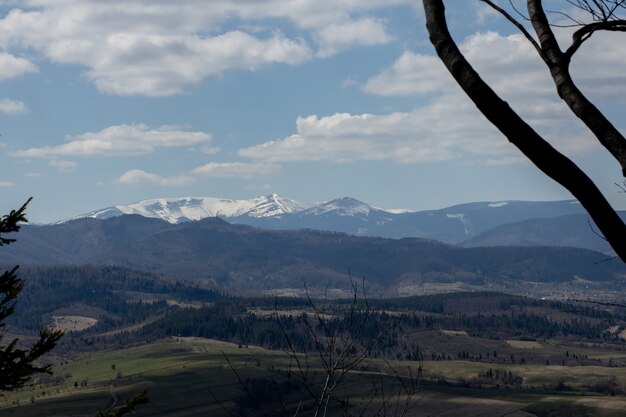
x=419, y=136
x=139, y=177
x=364, y=32
x=235, y=170
x=410, y=74
x=12, y=107
x=212, y=170
x=598, y=67
x=63, y=166
x=162, y=65
x=508, y=63
x=12, y=66
x=512, y=67
x=159, y=47
x=120, y=140
x=448, y=128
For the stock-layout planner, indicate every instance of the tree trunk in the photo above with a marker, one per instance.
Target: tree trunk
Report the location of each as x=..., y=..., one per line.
x=584, y=109
x=554, y=164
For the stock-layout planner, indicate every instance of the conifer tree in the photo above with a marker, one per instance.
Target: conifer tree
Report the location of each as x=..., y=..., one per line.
x=18, y=365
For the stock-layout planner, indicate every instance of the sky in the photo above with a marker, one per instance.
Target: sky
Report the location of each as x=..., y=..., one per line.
x=105, y=103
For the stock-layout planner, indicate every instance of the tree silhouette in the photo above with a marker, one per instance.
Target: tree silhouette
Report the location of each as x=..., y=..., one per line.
x=343, y=338
x=17, y=365
x=602, y=16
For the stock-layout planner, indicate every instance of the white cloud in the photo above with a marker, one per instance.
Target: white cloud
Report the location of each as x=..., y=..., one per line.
x=364, y=32
x=139, y=177
x=160, y=47
x=236, y=170
x=119, y=140
x=12, y=107
x=411, y=74
x=512, y=67
x=212, y=170
x=161, y=65
x=12, y=66
x=598, y=67
x=6, y=184
x=415, y=137
x=448, y=128
x=63, y=166
x=508, y=63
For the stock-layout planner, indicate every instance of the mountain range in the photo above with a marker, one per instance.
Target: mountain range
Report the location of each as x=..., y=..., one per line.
x=245, y=258
x=553, y=223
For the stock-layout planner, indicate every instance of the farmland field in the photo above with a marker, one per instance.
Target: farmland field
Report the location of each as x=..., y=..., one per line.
x=188, y=376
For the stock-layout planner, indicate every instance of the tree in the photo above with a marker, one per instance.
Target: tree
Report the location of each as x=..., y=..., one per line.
x=342, y=339
x=18, y=365
x=604, y=16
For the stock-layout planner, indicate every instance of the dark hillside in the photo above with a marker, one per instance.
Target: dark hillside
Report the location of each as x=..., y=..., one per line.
x=244, y=258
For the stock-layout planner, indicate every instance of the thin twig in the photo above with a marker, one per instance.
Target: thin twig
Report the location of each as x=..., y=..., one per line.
x=519, y=26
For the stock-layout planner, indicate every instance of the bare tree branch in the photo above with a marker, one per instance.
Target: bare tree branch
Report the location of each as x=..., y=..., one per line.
x=519, y=26
x=585, y=32
x=554, y=164
x=558, y=64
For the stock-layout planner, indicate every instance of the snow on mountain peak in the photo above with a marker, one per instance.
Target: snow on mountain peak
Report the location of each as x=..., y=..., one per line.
x=345, y=206
x=178, y=210
x=274, y=205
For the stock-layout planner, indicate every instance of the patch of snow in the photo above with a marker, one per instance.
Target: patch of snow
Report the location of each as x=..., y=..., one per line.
x=461, y=217
x=499, y=204
x=397, y=211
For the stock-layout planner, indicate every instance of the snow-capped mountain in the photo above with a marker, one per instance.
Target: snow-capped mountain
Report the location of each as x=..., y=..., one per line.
x=345, y=206
x=178, y=210
x=453, y=224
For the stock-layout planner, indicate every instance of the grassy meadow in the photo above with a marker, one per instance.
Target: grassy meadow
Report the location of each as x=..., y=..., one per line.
x=191, y=377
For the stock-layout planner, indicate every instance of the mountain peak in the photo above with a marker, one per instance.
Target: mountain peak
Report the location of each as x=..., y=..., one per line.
x=344, y=206
x=182, y=209
x=273, y=205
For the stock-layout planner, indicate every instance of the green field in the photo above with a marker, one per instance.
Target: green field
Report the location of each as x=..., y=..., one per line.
x=186, y=376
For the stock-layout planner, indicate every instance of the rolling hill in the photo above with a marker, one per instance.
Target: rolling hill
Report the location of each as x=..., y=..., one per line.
x=243, y=258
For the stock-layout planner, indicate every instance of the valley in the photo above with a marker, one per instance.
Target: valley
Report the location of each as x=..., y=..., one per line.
x=209, y=313
x=305, y=208
x=466, y=371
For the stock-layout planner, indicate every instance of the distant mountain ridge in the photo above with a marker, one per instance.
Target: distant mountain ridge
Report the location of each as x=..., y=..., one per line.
x=178, y=210
x=573, y=230
x=453, y=224
x=243, y=258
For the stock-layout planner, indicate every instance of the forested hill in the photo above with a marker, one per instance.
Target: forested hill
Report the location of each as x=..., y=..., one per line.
x=239, y=257
x=112, y=295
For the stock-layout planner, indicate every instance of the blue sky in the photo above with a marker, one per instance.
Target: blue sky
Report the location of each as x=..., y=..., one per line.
x=105, y=103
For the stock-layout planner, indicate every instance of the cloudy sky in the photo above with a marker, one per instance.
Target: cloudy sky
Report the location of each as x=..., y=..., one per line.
x=112, y=102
